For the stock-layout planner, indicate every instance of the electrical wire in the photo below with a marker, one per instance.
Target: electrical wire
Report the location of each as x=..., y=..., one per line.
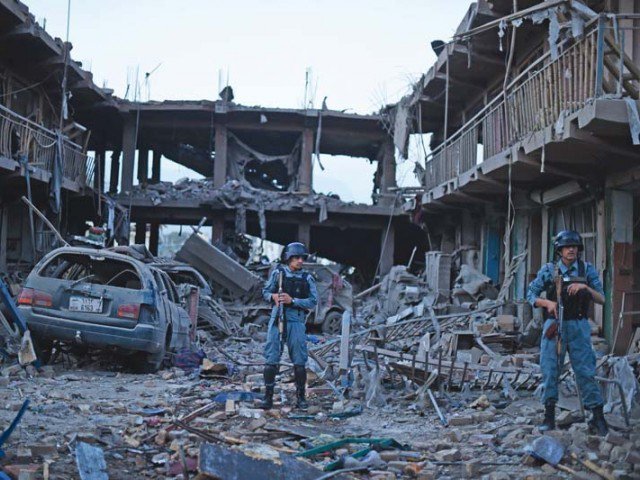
x=386, y=237
x=510, y=205
x=30, y=87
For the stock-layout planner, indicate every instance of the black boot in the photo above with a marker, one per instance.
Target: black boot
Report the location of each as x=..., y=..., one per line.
x=598, y=424
x=270, y=372
x=300, y=375
x=549, y=422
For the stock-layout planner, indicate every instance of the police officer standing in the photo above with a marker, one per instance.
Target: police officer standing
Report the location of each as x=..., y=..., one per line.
x=581, y=286
x=299, y=296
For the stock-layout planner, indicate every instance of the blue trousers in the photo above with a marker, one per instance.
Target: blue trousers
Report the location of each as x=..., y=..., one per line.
x=576, y=337
x=296, y=340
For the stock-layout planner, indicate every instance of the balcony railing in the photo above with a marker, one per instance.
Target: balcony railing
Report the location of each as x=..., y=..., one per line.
x=21, y=136
x=546, y=91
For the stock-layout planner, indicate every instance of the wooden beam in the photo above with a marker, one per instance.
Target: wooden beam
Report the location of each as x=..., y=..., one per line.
x=551, y=169
x=458, y=81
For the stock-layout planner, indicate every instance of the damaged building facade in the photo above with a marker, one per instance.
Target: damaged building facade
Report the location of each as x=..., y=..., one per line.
x=533, y=116
x=43, y=145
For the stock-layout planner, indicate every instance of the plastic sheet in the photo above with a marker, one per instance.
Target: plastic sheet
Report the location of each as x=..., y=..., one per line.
x=374, y=396
x=371, y=459
x=634, y=120
x=507, y=389
x=546, y=448
x=622, y=372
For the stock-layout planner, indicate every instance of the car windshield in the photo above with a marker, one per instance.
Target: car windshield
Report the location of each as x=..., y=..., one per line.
x=94, y=269
x=184, y=276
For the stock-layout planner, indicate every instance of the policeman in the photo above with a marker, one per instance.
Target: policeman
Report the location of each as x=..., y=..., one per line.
x=299, y=296
x=580, y=286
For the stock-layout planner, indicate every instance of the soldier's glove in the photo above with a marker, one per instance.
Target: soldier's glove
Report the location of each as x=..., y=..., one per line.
x=552, y=331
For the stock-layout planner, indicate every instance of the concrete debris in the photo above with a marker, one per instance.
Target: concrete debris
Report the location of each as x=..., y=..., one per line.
x=232, y=194
x=217, y=266
x=168, y=425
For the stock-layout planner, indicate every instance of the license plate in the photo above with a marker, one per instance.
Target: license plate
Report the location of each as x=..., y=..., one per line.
x=85, y=304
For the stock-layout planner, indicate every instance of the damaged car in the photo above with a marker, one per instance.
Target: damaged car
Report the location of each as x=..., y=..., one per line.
x=212, y=315
x=105, y=299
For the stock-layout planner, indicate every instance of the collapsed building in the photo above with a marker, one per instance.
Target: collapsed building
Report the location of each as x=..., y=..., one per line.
x=258, y=165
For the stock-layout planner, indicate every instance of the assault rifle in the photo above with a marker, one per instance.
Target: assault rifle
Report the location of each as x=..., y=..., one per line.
x=282, y=327
x=560, y=320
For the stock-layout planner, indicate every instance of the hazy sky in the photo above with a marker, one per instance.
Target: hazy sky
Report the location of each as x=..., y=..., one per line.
x=362, y=54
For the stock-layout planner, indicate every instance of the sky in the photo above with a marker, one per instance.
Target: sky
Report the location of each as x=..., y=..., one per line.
x=359, y=54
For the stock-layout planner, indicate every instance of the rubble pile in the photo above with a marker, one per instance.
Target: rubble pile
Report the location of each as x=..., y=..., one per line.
x=231, y=194
x=179, y=422
x=427, y=378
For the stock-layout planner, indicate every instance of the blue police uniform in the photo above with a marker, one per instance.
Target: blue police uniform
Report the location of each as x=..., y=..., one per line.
x=575, y=335
x=295, y=315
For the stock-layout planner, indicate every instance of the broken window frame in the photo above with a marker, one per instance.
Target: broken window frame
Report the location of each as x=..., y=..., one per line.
x=65, y=268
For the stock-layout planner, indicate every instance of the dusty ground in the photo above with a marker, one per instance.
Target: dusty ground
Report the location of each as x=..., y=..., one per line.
x=127, y=415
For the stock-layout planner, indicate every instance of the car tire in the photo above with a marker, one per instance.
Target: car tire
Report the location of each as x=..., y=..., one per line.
x=332, y=323
x=43, y=348
x=146, y=362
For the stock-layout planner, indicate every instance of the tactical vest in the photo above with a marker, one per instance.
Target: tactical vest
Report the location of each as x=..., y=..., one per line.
x=297, y=285
x=575, y=306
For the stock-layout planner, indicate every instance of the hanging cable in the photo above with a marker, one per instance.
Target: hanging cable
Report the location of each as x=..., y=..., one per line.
x=510, y=206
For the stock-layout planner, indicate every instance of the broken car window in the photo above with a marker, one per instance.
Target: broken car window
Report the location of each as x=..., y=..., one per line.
x=91, y=269
x=181, y=277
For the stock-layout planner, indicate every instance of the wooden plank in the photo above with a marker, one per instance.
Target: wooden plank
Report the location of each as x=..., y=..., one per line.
x=344, y=341
x=267, y=464
x=445, y=364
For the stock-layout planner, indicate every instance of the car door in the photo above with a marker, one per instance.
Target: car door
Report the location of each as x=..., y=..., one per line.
x=164, y=305
x=179, y=317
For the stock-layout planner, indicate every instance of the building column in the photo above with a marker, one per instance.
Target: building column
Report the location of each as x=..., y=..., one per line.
x=388, y=173
x=155, y=171
x=4, y=226
x=544, y=235
x=220, y=160
x=305, y=170
x=143, y=166
x=601, y=255
x=129, y=153
x=304, y=233
x=387, y=249
x=115, y=171
x=141, y=233
x=98, y=170
x=619, y=272
x=536, y=238
x=154, y=238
